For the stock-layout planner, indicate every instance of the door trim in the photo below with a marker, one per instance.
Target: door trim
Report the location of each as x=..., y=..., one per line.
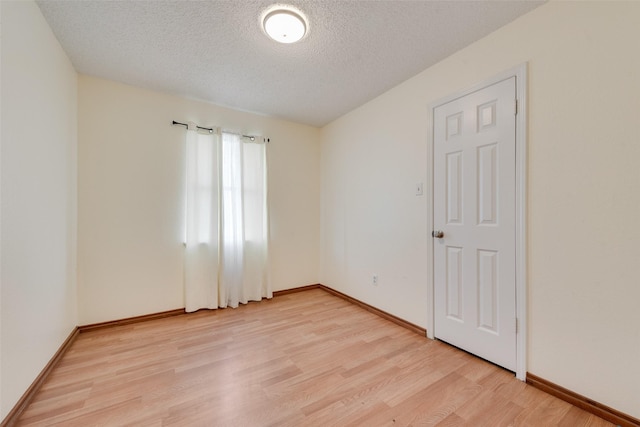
x=520, y=73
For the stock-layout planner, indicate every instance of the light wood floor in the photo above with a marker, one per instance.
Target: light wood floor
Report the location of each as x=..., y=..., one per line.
x=304, y=359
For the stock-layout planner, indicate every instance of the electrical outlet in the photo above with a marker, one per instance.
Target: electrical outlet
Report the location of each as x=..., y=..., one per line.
x=374, y=280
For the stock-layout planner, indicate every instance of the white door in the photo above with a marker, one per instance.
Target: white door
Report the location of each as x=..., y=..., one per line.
x=474, y=213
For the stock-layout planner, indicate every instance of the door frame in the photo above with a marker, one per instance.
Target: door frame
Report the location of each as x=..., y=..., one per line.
x=520, y=73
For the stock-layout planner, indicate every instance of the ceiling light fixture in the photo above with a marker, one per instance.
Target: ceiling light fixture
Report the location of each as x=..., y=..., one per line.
x=284, y=25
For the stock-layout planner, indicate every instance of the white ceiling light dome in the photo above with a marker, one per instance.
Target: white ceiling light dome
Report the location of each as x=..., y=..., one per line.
x=284, y=24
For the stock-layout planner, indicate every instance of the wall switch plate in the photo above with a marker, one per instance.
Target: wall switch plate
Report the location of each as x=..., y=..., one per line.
x=419, y=189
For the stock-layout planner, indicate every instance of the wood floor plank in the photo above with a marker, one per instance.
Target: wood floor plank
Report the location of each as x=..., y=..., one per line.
x=302, y=359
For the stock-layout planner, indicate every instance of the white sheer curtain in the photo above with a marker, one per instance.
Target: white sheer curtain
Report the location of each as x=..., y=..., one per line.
x=201, y=259
x=226, y=221
x=244, y=247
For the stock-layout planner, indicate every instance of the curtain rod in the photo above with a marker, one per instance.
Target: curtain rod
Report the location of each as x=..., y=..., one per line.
x=250, y=137
x=187, y=126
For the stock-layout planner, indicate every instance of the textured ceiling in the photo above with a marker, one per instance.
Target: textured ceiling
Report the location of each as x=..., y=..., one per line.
x=216, y=50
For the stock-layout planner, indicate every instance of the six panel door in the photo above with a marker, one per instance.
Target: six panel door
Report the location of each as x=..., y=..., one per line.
x=474, y=208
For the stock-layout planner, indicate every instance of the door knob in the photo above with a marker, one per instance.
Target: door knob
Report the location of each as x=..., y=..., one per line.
x=438, y=234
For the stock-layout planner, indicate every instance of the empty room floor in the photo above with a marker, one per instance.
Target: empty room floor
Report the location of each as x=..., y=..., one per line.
x=301, y=359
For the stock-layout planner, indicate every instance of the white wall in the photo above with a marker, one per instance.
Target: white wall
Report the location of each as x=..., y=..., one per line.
x=130, y=197
x=583, y=192
x=38, y=189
